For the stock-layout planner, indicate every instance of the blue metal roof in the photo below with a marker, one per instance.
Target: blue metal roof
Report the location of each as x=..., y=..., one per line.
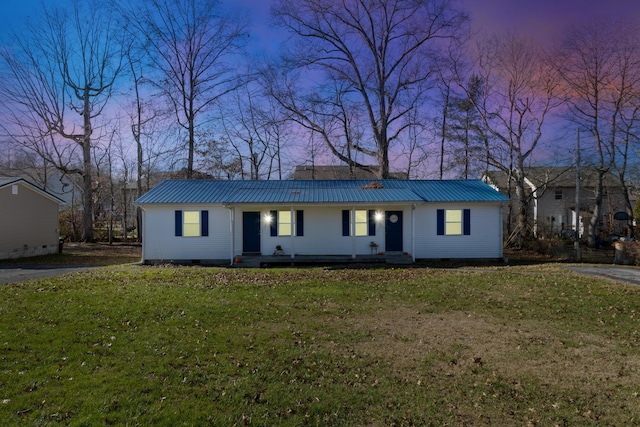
x=320, y=191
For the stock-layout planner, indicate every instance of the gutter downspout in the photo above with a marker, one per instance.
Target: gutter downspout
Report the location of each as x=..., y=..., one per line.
x=352, y=228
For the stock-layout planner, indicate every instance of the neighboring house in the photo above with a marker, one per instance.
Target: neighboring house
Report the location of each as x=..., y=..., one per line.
x=28, y=219
x=552, y=194
x=205, y=221
x=341, y=172
x=66, y=187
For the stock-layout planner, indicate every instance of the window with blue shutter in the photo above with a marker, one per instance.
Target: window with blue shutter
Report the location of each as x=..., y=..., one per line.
x=364, y=222
x=453, y=222
x=282, y=225
x=191, y=223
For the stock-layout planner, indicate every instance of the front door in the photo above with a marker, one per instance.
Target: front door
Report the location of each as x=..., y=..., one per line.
x=251, y=232
x=393, y=231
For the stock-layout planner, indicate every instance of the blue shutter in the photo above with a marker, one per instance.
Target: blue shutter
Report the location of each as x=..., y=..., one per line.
x=440, y=222
x=466, y=222
x=204, y=223
x=371, y=219
x=274, y=222
x=345, y=222
x=299, y=223
x=178, y=227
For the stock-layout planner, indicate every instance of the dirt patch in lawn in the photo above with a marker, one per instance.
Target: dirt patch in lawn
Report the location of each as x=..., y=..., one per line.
x=456, y=343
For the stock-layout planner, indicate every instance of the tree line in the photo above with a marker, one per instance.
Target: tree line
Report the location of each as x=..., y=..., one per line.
x=113, y=92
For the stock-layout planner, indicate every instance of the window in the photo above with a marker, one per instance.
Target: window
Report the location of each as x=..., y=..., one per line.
x=453, y=222
x=192, y=223
x=282, y=223
x=559, y=194
x=363, y=222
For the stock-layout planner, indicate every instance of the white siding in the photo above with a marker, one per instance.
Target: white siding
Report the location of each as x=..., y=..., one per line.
x=322, y=233
x=161, y=244
x=485, y=240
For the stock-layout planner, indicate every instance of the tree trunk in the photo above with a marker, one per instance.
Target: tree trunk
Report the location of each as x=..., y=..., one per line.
x=522, y=211
x=594, y=222
x=87, y=215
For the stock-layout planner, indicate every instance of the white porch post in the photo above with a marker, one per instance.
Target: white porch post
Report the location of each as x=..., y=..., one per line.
x=413, y=232
x=352, y=231
x=294, y=225
x=232, y=228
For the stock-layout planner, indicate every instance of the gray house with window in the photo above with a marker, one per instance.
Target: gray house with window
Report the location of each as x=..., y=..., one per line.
x=208, y=221
x=551, y=193
x=28, y=219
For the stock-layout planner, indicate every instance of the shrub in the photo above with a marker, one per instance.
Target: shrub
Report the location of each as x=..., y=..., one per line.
x=71, y=225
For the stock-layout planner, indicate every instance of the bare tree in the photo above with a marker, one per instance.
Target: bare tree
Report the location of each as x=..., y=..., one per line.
x=256, y=127
x=465, y=131
x=144, y=115
x=600, y=68
x=61, y=73
x=416, y=151
x=378, y=54
x=518, y=92
x=629, y=136
x=190, y=44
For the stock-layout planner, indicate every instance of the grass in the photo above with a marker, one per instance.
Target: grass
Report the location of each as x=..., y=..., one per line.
x=135, y=345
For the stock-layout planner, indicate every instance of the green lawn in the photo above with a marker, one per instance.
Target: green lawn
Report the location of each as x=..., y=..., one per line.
x=135, y=345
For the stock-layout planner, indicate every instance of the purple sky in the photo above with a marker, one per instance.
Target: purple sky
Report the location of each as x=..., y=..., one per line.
x=544, y=18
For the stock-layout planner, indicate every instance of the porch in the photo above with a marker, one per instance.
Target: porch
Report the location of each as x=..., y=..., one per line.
x=254, y=261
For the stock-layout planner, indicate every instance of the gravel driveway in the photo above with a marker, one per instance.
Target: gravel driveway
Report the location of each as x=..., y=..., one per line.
x=623, y=274
x=13, y=274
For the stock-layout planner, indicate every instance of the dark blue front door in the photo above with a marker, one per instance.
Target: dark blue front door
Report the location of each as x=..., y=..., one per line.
x=393, y=231
x=251, y=232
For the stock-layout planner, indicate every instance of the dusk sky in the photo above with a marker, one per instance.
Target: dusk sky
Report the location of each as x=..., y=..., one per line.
x=544, y=18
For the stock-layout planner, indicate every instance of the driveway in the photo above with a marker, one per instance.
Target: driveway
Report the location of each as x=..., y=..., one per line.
x=13, y=274
x=623, y=274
